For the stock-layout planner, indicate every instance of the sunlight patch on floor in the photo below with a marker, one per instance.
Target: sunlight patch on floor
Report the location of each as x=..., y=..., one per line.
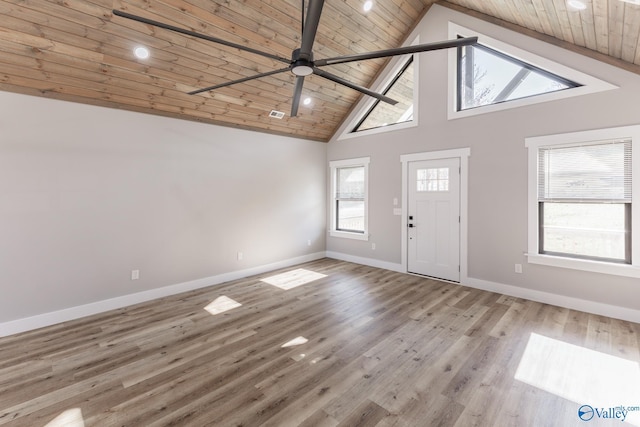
x=69, y=418
x=581, y=375
x=298, y=357
x=221, y=304
x=293, y=279
x=294, y=342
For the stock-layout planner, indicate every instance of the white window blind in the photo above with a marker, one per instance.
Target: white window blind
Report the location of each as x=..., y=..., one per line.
x=350, y=183
x=594, y=172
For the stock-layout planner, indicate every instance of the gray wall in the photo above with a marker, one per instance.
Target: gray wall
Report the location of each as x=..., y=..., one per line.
x=497, y=236
x=88, y=194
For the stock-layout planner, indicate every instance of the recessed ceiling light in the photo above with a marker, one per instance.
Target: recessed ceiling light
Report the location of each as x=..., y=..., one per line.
x=141, y=52
x=367, y=5
x=307, y=101
x=577, y=4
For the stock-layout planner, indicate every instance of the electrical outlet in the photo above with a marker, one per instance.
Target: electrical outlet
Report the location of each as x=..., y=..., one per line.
x=373, y=246
x=518, y=268
x=240, y=256
x=135, y=274
x=309, y=242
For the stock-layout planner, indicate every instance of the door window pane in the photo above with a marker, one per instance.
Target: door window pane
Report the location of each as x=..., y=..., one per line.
x=432, y=179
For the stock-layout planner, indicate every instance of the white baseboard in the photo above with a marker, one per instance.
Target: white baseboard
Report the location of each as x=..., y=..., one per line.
x=54, y=317
x=573, y=303
x=367, y=261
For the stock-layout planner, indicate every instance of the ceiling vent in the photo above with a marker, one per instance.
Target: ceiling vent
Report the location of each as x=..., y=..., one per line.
x=276, y=114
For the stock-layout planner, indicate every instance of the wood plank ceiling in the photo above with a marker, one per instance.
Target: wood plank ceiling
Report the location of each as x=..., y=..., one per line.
x=77, y=50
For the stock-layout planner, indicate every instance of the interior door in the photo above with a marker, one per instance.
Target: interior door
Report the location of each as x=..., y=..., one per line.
x=433, y=235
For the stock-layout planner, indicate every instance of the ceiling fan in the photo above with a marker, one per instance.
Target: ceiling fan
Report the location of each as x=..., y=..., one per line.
x=302, y=62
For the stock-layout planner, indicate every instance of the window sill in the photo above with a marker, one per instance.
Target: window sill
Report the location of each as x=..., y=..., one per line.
x=347, y=235
x=585, y=265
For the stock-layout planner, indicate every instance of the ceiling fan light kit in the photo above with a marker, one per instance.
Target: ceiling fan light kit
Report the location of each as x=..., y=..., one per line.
x=299, y=66
x=302, y=63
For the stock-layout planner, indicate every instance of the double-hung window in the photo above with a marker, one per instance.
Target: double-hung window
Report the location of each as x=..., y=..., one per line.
x=581, y=189
x=584, y=200
x=349, y=211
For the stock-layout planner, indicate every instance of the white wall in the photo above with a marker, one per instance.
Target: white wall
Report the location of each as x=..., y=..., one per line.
x=497, y=220
x=88, y=194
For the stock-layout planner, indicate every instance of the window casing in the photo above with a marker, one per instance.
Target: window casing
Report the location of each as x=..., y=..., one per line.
x=371, y=117
x=517, y=94
x=349, y=193
x=581, y=194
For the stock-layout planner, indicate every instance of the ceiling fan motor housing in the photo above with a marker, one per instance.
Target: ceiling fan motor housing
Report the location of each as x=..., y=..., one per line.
x=301, y=66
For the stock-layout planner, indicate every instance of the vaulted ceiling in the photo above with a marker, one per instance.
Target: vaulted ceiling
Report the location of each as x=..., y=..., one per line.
x=77, y=50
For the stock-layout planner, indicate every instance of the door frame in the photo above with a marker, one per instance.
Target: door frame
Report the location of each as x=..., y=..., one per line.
x=461, y=153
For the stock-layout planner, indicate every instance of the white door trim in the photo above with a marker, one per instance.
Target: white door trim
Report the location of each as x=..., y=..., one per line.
x=461, y=153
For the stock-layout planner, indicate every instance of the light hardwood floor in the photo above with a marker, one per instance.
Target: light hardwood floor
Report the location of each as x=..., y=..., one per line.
x=382, y=349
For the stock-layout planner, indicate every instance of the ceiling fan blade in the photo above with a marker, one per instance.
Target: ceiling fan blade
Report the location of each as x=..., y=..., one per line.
x=242, y=80
x=197, y=35
x=310, y=28
x=297, y=93
x=397, y=51
x=354, y=86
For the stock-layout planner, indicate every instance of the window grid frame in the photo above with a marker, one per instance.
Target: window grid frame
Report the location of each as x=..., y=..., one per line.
x=625, y=199
x=524, y=65
x=335, y=166
x=590, y=84
x=339, y=199
x=394, y=80
x=627, y=238
x=631, y=133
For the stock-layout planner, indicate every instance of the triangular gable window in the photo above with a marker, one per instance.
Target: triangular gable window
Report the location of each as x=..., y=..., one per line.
x=487, y=77
x=381, y=114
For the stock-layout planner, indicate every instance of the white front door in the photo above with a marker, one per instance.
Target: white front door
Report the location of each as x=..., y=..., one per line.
x=433, y=233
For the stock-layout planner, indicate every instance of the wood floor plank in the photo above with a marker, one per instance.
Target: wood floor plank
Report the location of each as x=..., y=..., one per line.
x=357, y=346
x=367, y=414
x=434, y=410
x=319, y=419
